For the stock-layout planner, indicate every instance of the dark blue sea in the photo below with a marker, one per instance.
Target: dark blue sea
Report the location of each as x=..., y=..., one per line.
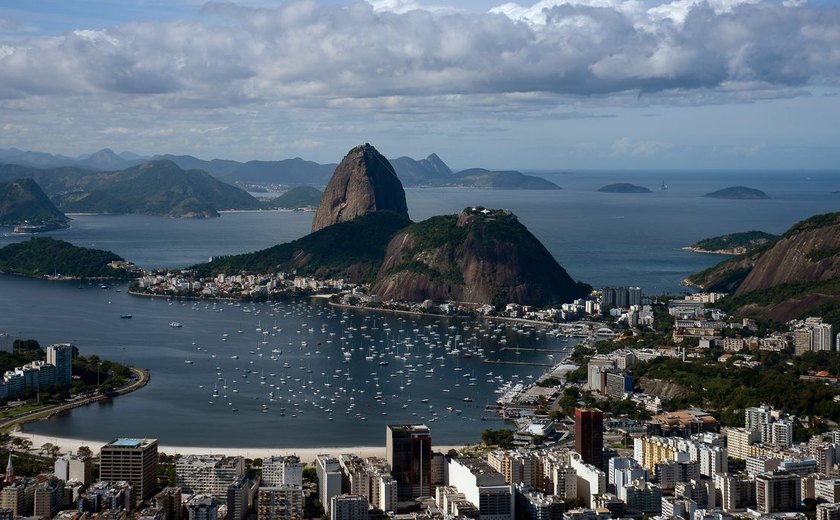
x=599, y=238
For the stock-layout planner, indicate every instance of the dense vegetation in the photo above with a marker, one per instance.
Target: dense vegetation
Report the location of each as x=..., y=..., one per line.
x=47, y=256
x=434, y=233
x=353, y=249
x=502, y=438
x=23, y=200
x=300, y=197
x=748, y=241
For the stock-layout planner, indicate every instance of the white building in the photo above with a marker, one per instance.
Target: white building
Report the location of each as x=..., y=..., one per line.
x=484, y=487
x=282, y=471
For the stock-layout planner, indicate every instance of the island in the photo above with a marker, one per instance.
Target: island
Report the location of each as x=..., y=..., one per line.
x=299, y=198
x=733, y=243
x=623, y=187
x=59, y=260
x=738, y=193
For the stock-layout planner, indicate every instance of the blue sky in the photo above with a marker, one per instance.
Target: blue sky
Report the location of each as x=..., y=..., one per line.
x=558, y=84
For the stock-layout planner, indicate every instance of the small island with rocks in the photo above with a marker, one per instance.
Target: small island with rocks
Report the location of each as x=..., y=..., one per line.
x=623, y=187
x=738, y=193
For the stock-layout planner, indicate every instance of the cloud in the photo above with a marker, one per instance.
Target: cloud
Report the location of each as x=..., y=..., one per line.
x=306, y=53
x=625, y=146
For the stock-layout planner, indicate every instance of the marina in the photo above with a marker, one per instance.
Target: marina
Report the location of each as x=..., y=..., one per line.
x=289, y=368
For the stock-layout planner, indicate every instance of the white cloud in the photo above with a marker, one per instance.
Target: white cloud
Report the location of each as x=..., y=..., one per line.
x=305, y=52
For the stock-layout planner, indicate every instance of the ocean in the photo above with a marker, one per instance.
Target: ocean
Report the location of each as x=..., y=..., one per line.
x=599, y=238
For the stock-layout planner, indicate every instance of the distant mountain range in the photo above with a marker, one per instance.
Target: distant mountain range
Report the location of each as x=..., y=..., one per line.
x=431, y=171
x=151, y=188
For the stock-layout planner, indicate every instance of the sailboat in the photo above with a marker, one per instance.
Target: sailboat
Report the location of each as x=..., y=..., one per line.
x=663, y=187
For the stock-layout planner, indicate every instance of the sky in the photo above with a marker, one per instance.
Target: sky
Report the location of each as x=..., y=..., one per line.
x=551, y=85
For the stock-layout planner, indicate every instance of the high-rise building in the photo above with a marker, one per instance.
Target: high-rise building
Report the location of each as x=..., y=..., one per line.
x=777, y=492
x=202, y=507
x=281, y=471
x=208, y=474
x=169, y=502
x=589, y=435
x=328, y=470
x=131, y=460
x=280, y=503
x=49, y=497
x=408, y=449
x=62, y=356
x=240, y=498
x=757, y=416
x=828, y=511
x=70, y=467
x=349, y=507
x=482, y=486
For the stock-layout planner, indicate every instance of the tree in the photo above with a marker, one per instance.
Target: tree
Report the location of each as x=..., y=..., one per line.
x=49, y=449
x=84, y=451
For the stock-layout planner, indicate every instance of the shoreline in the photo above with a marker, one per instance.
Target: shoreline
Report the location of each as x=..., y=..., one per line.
x=67, y=444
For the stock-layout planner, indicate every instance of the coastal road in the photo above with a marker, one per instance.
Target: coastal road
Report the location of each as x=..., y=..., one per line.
x=140, y=379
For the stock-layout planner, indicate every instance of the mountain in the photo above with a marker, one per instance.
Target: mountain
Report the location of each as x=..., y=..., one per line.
x=351, y=250
x=479, y=256
x=623, y=187
x=798, y=274
x=508, y=180
x=738, y=193
x=152, y=188
x=47, y=256
x=364, y=182
x=431, y=170
x=106, y=160
x=159, y=188
x=299, y=197
x=23, y=200
x=286, y=171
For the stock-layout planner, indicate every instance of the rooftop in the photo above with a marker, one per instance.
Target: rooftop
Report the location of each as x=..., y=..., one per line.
x=130, y=443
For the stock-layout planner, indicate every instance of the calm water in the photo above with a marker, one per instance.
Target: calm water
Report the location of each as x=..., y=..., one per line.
x=602, y=239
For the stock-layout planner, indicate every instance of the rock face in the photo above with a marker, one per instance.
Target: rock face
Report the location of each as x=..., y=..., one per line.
x=797, y=275
x=364, y=182
x=808, y=252
x=479, y=256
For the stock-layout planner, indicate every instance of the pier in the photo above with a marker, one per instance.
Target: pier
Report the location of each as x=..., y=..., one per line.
x=523, y=363
x=549, y=350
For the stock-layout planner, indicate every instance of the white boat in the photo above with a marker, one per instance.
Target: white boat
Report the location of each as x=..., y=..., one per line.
x=175, y=324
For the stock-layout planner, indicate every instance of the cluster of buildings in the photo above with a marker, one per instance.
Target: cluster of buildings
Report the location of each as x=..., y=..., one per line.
x=676, y=473
x=186, y=283
x=31, y=377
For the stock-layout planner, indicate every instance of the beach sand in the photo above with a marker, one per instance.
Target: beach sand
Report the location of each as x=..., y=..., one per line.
x=306, y=454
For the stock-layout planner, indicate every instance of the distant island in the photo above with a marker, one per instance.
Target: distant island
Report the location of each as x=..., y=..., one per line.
x=623, y=187
x=738, y=193
x=733, y=243
x=301, y=197
x=56, y=259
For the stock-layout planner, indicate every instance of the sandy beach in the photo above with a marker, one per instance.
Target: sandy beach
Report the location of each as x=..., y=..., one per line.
x=306, y=454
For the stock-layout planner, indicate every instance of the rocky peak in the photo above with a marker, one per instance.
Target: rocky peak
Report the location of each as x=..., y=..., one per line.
x=364, y=182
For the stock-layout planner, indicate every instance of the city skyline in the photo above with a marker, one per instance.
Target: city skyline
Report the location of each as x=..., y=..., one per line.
x=560, y=84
